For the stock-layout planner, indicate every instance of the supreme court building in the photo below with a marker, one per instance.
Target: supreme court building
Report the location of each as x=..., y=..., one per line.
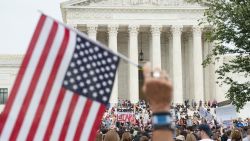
x=166, y=32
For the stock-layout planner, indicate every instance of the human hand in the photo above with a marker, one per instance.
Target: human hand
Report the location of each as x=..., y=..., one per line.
x=158, y=89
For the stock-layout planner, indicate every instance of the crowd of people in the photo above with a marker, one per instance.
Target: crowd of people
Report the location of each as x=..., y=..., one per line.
x=133, y=121
x=158, y=120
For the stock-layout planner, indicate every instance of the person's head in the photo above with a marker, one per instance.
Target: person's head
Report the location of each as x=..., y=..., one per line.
x=204, y=132
x=190, y=137
x=126, y=136
x=144, y=138
x=111, y=136
x=236, y=135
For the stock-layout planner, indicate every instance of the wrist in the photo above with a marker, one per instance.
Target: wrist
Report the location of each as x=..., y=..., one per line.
x=162, y=121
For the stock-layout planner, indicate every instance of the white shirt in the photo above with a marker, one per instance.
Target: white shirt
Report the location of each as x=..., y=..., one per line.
x=247, y=138
x=206, y=140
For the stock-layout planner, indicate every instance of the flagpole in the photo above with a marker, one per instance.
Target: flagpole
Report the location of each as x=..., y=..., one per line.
x=97, y=42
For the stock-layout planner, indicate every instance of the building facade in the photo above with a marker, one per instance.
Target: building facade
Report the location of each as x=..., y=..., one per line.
x=165, y=31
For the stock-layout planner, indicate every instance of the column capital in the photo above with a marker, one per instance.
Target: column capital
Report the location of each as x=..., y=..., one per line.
x=92, y=28
x=176, y=29
x=113, y=29
x=197, y=30
x=156, y=29
x=133, y=29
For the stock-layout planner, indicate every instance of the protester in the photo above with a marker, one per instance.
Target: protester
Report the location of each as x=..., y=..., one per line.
x=204, y=132
x=139, y=118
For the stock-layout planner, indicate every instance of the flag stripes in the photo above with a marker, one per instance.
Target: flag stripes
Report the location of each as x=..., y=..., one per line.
x=39, y=106
x=49, y=84
x=21, y=72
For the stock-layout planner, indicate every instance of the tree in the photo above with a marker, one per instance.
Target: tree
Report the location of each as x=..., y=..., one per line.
x=230, y=22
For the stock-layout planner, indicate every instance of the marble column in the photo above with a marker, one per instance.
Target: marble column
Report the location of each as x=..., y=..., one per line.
x=156, y=46
x=191, y=66
x=92, y=31
x=177, y=63
x=133, y=71
x=207, y=90
x=185, y=68
x=112, y=31
x=198, y=68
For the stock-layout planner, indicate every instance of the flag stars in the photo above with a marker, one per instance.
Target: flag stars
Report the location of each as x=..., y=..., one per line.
x=81, y=84
x=88, y=81
x=100, y=55
x=79, y=39
x=82, y=68
x=88, y=66
x=91, y=71
x=103, y=62
x=66, y=82
x=75, y=87
x=101, y=92
x=104, y=83
x=91, y=88
x=78, y=47
x=105, y=53
x=104, y=98
x=107, y=68
x=68, y=73
x=94, y=79
x=86, y=52
x=75, y=55
x=115, y=58
x=98, y=86
x=75, y=71
x=78, y=78
x=85, y=75
x=85, y=91
x=82, y=45
x=113, y=66
x=87, y=44
x=72, y=65
x=106, y=75
x=109, y=60
x=107, y=90
x=79, y=62
x=109, y=82
x=91, y=50
x=71, y=80
x=96, y=48
x=81, y=53
x=97, y=70
x=94, y=94
x=85, y=60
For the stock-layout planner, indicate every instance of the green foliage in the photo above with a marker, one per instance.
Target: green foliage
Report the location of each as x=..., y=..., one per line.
x=230, y=22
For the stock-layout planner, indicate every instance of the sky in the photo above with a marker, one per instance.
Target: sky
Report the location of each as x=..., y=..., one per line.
x=18, y=20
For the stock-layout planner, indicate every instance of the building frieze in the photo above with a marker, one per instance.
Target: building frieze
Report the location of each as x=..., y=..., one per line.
x=142, y=3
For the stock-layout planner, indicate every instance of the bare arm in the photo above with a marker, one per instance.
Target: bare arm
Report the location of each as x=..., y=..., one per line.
x=158, y=91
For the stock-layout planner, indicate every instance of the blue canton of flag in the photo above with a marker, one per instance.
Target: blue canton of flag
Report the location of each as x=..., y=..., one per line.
x=91, y=72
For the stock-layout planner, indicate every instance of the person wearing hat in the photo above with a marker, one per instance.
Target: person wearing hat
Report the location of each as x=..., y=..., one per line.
x=204, y=132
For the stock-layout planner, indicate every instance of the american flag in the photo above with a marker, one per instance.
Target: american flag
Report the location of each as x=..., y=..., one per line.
x=62, y=87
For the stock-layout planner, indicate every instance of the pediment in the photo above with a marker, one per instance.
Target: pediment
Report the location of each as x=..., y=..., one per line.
x=129, y=3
